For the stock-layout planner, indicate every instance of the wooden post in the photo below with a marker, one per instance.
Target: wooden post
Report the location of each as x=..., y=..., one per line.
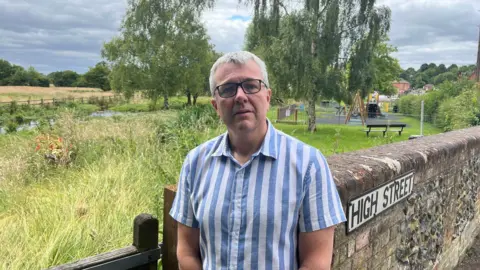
x=296, y=115
x=41, y=102
x=145, y=236
x=278, y=113
x=169, y=249
x=28, y=102
x=82, y=100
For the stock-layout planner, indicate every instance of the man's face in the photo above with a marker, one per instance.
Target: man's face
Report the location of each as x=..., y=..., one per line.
x=242, y=112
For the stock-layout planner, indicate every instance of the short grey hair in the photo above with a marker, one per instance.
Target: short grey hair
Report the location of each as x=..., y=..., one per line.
x=240, y=57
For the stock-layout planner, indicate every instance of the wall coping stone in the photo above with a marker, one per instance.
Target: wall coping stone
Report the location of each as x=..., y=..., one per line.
x=359, y=171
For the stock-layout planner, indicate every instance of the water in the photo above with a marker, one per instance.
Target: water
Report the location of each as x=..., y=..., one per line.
x=28, y=126
x=105, y=113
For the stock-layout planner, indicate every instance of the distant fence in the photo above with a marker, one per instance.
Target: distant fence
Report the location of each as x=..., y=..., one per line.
x=291, y=114
x=142, y=255
x=57, y=101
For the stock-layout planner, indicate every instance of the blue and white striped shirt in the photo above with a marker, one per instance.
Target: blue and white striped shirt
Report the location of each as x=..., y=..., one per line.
x=249, y=215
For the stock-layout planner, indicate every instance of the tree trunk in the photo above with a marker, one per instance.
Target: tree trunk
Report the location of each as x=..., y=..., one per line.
x=189, y=97
x=312, y=127
x=165, y=101
x=195, y=99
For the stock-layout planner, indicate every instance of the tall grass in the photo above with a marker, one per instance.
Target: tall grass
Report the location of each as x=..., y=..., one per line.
x=54, y=214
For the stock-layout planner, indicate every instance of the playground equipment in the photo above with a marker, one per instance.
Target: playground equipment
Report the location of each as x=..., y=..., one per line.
x=372, y=105
x=357, y=109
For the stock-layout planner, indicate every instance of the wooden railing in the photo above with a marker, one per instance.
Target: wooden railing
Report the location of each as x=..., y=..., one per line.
x=143, y=254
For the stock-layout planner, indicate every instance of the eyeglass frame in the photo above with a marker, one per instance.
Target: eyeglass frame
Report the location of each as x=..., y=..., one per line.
x=241, y=86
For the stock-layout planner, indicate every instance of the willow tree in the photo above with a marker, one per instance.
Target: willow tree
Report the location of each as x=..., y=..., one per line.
x=307, y=49
x=159, y=42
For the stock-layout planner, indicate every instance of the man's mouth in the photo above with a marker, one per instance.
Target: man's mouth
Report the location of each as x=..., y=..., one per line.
x=242, y=112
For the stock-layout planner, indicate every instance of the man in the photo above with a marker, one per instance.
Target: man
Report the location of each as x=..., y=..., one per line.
x=254, y=197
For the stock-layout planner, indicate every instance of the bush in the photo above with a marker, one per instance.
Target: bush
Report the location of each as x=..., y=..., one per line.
x=459, y=112
x=11, y=127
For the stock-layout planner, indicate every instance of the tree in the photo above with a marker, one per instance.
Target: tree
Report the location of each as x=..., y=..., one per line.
x=447, y=76
x=65, y=78
x=19, y=77
x=6, y=70
x=423, y=67
x=441, y=68
x=386, y=68
x=154, y=49
x=452, y=67
x=97, y=77
x=409, y=75
x=309, y=49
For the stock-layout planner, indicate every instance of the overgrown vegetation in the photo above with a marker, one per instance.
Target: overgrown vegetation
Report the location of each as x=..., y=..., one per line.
x=70, y=206
x=453, y=105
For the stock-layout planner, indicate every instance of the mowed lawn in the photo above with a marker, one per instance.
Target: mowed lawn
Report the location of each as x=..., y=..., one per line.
x=332, y=138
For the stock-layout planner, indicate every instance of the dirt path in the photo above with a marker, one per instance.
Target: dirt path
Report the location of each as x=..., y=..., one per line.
x=471, y=261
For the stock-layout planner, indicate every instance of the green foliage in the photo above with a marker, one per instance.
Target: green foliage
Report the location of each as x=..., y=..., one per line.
x=432, y=74
x=386, y=68
x=307, y=50
x=162, y=49
x=131, y=108
x=459, y=112
x=454, y=105
x=66, y=78
x=6, y=71
x=18, y=76
x=96, y=77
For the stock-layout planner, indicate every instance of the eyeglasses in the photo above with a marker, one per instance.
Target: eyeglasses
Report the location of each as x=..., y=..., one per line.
x=250, y=86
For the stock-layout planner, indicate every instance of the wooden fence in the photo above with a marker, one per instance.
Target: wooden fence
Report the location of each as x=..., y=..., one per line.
x=290, y=114
x=142, y=255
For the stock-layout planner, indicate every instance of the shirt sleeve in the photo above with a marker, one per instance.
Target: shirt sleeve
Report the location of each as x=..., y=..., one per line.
x=182, y=209
x=321, y=206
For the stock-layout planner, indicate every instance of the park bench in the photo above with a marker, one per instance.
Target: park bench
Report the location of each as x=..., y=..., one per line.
x=385, y=128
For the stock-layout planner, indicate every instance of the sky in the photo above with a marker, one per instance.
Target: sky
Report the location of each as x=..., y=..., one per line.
x=53, y=35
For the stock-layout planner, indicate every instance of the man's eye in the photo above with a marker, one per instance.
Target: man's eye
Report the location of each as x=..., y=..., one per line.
x=228, y=88
x=250, y=86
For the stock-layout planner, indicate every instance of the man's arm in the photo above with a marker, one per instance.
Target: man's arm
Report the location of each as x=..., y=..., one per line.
x=315, y=249
x=188, y=248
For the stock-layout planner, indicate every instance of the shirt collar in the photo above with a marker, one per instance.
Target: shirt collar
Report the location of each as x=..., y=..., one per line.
x=269, y=145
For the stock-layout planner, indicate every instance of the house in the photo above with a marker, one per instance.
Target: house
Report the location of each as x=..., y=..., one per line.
x=428, y=87
x=401, y=86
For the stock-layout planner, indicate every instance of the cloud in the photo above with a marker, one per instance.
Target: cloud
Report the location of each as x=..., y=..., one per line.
x=438, y=31
x=52, y=35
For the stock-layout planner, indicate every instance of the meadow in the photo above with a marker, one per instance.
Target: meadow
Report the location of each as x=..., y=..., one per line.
x=110, y=169
x=21, y=93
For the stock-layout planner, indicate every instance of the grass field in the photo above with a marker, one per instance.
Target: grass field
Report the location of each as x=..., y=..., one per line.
x=9, y=93
x=54, y=214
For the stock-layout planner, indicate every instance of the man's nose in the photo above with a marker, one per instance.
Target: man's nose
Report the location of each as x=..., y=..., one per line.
x=240, y=96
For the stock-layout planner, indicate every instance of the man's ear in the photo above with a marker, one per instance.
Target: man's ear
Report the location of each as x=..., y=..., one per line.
x=215, y=105
x=269, y=95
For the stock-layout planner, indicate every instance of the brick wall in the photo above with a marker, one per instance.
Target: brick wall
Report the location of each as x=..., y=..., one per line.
x=431, y=229
x=436, y=224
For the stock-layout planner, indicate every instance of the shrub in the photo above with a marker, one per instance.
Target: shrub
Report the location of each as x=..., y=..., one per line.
x=459, y=112
x=11, y=127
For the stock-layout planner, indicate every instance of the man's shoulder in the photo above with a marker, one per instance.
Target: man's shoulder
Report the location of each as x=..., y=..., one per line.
x=305, y=149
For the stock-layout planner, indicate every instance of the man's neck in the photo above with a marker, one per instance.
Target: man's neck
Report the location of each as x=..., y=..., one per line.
x=244, y=145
